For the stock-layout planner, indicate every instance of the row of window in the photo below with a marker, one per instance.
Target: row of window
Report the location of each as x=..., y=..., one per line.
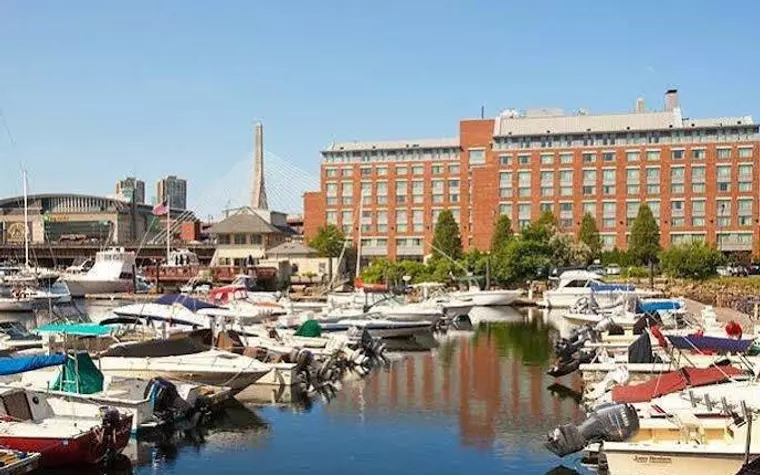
x=732, y=134
x=568, y=158
x=240, y=239
x=401, y=170
x=409, y=154
x=633, y=181
x=725, y=215
x=405, y=220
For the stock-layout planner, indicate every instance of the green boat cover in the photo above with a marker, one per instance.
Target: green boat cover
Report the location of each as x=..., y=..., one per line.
x=79, y=329
x=309, y=328
x=79, y=375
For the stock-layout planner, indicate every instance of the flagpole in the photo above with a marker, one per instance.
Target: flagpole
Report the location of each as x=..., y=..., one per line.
x=168, y=227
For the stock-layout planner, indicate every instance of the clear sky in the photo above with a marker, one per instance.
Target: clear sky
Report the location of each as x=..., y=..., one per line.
x=93, y=91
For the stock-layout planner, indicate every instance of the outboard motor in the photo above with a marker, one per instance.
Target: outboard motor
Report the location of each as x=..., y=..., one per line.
x=165, y=399
x=608, y=422
x=110, y=424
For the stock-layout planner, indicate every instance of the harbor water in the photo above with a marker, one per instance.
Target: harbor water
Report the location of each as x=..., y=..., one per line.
x=479, y=402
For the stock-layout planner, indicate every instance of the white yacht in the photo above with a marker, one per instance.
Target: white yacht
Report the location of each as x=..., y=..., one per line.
x=488, y=298
x=576, y=284
x=113, y=272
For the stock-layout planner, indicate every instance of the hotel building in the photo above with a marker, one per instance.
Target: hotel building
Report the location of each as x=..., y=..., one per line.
x=699, y=177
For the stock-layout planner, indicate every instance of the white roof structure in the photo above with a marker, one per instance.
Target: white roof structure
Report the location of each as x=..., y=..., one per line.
x=393, y=145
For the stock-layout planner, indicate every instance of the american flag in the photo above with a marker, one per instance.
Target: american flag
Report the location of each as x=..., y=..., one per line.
x=161, y=209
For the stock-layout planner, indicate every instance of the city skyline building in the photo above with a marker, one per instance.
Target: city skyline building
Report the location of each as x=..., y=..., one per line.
x=129, y=187
x=173, y=190
x=699, y=177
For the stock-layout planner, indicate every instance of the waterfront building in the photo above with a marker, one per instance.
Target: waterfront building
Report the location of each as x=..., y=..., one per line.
x=243, y=237
x=699, y=177
x=172, y=190
x=131, y=187
x=64, y=217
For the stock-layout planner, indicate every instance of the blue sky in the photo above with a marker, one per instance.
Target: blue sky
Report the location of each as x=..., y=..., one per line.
x=93, y=91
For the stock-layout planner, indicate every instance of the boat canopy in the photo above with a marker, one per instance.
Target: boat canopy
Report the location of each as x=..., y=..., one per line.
x=709, y=343
x=78, y=329
x=602, y=287
x=79, y=375
x=658, y=305
x=309, y=328
x=23, y=364
x=673, y=381
x=187, y=302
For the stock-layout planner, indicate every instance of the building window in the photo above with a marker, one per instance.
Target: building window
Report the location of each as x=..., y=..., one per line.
x=505, y=160
x=331, y=172
x=724, y=153
x=698, y=154
x=589, y=207
x=698, y=179
x=332, y=218
x=697, y=221
x=566, y=158
x=505, y=209
x=633, y=189
x=547, y=159
x=589, y=190
x=348, y=171
x=418, y=217
x=653, y=155
x=477, y=156
x=589, y=157
x=418, y=170
x=524, y=159
x=608, y=190
x=454, y=169
x=221, y=239
x=257, y=239
x=608, y=156
x=366, y=171
x=402, y=170
x=566, y=191
x=744, y=207
x=723, y=173
x=677, y=154
x=523, y=210
x=547, y=190
x=745, y=152
x=436, y=169
x=632, y=156
x=608, y=175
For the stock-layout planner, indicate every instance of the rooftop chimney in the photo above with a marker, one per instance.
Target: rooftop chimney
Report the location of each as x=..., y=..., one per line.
x=640, y=106
x=671, y=99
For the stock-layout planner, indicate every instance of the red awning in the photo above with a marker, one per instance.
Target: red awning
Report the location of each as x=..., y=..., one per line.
x=673, y=381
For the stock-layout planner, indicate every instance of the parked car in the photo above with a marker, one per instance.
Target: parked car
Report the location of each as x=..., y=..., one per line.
x=737, y=270
x=723, y=271
x=612, y=269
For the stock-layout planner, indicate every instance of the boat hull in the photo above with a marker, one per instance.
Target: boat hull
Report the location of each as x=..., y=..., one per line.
x=15, y=305
x=236, y=381
x=79, y=288
x=84, y=448
x=25, y=465
x=696, y=459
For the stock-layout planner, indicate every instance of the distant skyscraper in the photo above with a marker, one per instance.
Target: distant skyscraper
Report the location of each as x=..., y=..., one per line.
x=130, y=186
x=258, y=190
x=173, y=190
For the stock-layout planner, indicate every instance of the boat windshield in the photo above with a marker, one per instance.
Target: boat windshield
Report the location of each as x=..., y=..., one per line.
x=16, y=331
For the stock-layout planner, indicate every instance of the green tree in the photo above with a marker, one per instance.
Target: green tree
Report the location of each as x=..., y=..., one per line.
x=644, y=245
x=691, y=261
x=589, y=235
x=328, y=242
x=446, y=240
x=502, y=233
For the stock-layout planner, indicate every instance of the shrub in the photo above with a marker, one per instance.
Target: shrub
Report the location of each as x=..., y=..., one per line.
x=692, y=261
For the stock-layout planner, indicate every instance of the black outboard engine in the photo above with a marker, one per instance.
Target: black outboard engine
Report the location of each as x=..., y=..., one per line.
x=167, y=402
x=110, y=424
x=609, y=422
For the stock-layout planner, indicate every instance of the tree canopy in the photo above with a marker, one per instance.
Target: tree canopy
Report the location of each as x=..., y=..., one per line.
x=446, y=239
x=644, y=245
x=691, y=261
x=502, y=233
x=588, y=234
x=329, y=241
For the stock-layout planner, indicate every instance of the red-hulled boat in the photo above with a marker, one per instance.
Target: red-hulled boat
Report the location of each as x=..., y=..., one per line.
x=28, y=423
x=674, y=381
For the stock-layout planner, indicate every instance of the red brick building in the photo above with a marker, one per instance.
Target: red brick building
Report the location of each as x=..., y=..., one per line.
x=699, y=176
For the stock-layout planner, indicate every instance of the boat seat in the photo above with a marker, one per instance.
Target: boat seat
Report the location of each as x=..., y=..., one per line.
x=691, y=427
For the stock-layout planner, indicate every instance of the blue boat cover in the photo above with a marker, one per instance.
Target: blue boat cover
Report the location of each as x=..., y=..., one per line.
x=188, y=302
x=709, y=343
x=658, y=305
x=79, y=329
x=597, y=287
x=22, y=364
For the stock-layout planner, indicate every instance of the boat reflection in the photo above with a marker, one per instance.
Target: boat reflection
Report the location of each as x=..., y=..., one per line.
x=491, y=381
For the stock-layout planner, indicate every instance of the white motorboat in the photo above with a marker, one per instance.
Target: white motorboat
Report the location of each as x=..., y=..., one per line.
x=341, y=320
x=113, y=272
x=489, y=298
x=182, y=360
x=434, y=296
x=576, y=284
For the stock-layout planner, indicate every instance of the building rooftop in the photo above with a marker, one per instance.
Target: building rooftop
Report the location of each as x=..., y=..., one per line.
x=244, y=222
x=392, y=145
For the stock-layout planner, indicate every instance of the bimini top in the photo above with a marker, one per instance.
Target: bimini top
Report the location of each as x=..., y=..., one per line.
x=600, y=287
x=188, y=302
x=709, y=343
x=78, y=329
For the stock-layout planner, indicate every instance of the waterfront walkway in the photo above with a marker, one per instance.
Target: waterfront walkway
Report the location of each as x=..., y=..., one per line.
x=724, y=314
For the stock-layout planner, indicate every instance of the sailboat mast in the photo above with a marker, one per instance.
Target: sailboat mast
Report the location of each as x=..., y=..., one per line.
x=359, y=237
x=26, y=221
